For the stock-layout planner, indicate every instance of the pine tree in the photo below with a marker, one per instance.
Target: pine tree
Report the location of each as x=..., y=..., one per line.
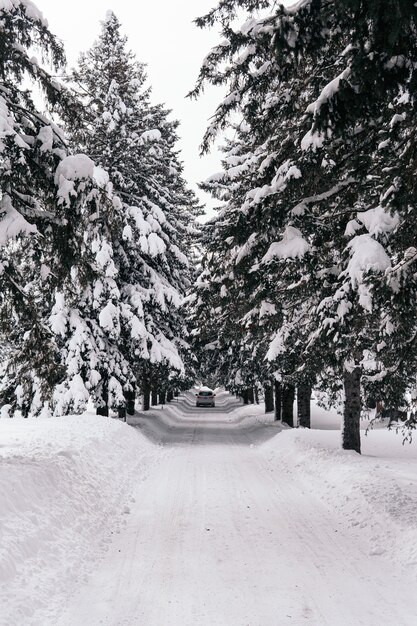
x=59, y=299
x=135, y=142
x=31, y=147
x=324, y=184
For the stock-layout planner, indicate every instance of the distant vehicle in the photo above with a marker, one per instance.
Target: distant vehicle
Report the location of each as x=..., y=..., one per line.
x=205, y=397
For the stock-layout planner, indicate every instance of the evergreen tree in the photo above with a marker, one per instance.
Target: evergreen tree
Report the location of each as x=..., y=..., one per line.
x=321, y=191
x=59, y=301
x=31, y=147
x=135, y=142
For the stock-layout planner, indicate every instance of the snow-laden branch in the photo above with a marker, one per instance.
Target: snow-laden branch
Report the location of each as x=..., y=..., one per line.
x=300, y=208
x=410, y=257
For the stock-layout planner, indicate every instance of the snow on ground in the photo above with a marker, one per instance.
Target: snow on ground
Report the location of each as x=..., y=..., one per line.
x=66, y=486
x=376, y=493
x=197, y=517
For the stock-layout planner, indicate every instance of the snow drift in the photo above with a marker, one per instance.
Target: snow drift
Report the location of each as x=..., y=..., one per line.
x=66, y=488
x=375, y=493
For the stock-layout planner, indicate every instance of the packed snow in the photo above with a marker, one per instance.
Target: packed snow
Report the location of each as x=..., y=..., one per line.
x=199, y=517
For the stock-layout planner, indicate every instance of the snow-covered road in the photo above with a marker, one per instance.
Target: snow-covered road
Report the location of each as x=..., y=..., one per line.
x=216, y=538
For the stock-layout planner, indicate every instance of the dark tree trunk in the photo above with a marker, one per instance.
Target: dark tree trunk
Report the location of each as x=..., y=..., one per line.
x=251, y=397
x=269, y=398
x=176, y=394
x=162, y=397
x=351, y=436
x=154, y=400
x=278, y=399
x=122, y=413
x=303, y=406
x=288, y=395
x=245, y=396
x=130, y=402
x=104, y=408
x=256, y=394
x=170, y=396
x=146, y=391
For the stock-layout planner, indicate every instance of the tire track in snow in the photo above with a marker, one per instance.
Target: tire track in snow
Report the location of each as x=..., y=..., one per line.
x=215, y=539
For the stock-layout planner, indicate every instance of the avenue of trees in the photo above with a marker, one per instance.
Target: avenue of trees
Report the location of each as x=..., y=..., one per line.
x=307, y=276
x=95, y=222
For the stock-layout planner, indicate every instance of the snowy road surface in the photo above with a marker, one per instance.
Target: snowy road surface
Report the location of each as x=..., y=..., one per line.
x=215, y=538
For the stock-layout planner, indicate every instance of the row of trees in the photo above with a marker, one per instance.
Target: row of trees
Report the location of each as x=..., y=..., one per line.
x=95, y=217
x=310, y=272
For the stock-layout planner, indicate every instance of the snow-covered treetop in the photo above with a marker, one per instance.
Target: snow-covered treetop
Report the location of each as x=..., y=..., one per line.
x=321, y=102
x=28, y=7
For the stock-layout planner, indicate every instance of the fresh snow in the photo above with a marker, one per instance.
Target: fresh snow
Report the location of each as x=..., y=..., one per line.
x=378, y=221
x=367, y=255
x=77, y=167
x=293, y=245
x=329, y=91
x=199, y=517
x=12, y=223
x=66, y=485
x=28, y=7
x=152, y=135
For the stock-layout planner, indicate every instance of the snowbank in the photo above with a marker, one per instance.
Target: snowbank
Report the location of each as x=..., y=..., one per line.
x=66, y=486
x=375, y=493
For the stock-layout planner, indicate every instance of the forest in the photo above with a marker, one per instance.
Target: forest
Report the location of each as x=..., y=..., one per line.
x=112, y=289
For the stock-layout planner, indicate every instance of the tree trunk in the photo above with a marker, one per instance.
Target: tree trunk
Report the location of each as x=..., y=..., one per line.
x=130, y=402
x=154, y=400
x=251, y=397
x=278, y=399
x=162, y=397
x=288, y=395
x=104, y=408
x=176, y=394
x=170, y=396
x=256, y=394
x=303, y=406
x=122, y=413
x=351, y=436
x=245, y=396
x=269, y=398
x=146, y=391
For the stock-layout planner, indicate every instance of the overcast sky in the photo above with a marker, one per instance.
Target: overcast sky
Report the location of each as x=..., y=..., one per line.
x=162, y=34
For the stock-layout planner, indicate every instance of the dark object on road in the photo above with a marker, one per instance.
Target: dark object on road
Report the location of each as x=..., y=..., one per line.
x=205, y=397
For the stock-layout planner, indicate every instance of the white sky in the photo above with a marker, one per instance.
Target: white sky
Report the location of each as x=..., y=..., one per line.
x=161, y=34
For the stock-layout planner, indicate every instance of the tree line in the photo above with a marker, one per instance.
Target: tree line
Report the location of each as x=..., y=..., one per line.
x=309, y=276
x=97, y=228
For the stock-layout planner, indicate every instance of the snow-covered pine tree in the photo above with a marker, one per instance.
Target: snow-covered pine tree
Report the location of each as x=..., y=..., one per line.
x=59, y=299
x=31, y=146
x=235, y=251
x=86, y=315
x=225, y=333
x=318, y=85
x=29, y=141
x=135, y=142
x=203, y=324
